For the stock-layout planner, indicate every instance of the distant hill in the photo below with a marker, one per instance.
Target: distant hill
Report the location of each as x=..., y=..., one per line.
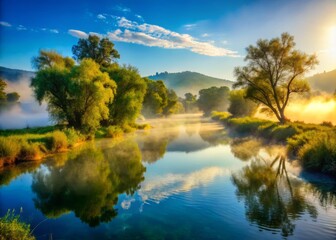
x=184, y=82
x=14, y=75
x=323, y=81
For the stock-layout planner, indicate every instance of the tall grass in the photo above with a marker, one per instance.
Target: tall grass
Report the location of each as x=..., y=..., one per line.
x=11, y=227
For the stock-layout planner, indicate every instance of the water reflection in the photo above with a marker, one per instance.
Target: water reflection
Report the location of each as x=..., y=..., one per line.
x=89, y=183
x=272, y=200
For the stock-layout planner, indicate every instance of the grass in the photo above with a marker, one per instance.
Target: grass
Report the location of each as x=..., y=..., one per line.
x=313, y=144
x=11, y=227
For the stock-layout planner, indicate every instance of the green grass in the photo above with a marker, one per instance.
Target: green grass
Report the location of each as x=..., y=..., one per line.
x=11, y=227
x=114, y=132
x=314, y=145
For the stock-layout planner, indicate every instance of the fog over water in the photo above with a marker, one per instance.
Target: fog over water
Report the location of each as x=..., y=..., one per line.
x=27, y=113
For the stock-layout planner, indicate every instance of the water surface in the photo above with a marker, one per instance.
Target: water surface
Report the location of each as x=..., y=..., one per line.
x=184, y=179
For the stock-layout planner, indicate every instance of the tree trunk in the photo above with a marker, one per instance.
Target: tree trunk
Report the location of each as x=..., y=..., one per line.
x=283, y=118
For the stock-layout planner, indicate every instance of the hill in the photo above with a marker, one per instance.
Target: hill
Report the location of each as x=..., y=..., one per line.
x=323, y=81
x=14, y=75
x=184, y=82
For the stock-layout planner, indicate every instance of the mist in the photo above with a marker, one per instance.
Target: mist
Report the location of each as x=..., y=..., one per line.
x=27, y=112
x=313, y=110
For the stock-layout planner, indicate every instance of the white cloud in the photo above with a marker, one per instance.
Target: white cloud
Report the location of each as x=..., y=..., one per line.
x=53, y=31
x=189, y=26
x=5, y=24
x=153, y=35
x=122, y=8
x=205, y=35
x=139, y=17
x=21, y=28
x=101, y=16
x=77, y=33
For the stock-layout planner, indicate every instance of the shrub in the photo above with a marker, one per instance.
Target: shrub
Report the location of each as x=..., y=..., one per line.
x=278, y=132
x=29, y=151
x=58, y=141
x=295, y=142
x=222, y=116
x=327, y=124
x=319, y=154
x=12, y=228
x=114, y=132
x=128, y=129
x=9, y=147
x=246, y=124
x=73, y=136
x=145, y=126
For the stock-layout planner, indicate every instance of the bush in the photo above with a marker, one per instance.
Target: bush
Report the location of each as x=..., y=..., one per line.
x=12, y=228
x=58, y=141
x=114, y=132
x=277, y=132
x=222, y=116
x=29, y=151
x=145, y=126
x=319, y=154
x=9, y=147
x=295, y=142
x=246, y=124
x=73, y=136
x=128, y=129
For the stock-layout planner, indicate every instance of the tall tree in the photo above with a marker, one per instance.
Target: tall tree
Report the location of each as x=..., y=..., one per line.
x=100, y=50
x=274, y=72
x=76, y=94
x=213, y=99
x=241, y=106
x=131, y=89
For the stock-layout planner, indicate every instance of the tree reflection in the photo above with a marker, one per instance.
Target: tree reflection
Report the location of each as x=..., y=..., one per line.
x=245, y=148
x=89, y=183
x=272, y=200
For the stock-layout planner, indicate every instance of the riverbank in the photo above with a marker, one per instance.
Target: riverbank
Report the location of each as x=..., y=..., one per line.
x=313, y=145
x=34, y=144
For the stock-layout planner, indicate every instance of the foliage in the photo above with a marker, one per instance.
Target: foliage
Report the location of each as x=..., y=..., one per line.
x=131, y=89
x=12, y=97
x=114, y=132
x=3, y=85
x=156, y=99
x=29, y=151
x=58, y=141
x=50, y=59
x=174, y=105
x=76, y=94
x=319, y=153
x=240, y=106
x=190, y=103
x=222, y=116
x=73, y=136
x=100, y=50
x=213, y=99
x=273, y=73
x=9, y=147
x=12, y=228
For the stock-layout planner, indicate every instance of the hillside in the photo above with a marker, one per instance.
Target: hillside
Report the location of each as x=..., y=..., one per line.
x=14, y=75
x=184, y=82
x=323, y=81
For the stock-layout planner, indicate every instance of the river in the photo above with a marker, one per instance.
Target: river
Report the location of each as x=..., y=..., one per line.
x=184, y=179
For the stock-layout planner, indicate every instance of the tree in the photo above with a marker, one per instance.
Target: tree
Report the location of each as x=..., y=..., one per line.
x=214, y=98
x=48, y=59
x=190, y=102
x=156, y=98
x=100, y=50
x=76, y=94
x=273, y=73
x=174, y=105
x=131, y=89
x=12, y=97
x=3, y=85
x=241, y=106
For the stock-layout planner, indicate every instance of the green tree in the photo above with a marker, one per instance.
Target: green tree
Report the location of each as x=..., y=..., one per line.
x=190, y=102
x=241, y=106
x=213, y=99
x=131, y=89
x=173, y=105
x=76, y=94
x=51, y=59
x=273, y=73
x=100, y=50
x=12, y=97
x=156, y=98
x=3, y=85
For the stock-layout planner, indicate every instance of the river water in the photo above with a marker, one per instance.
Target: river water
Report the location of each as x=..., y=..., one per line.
x=183, y=179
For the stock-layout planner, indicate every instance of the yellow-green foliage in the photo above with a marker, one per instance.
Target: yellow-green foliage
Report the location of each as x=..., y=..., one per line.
x=222, y=116
x=246, y=124
x=319, y=153
x=128, y=129
x=145, y=126
x=58, y=141
x=114, y=132
x=29, y=151
x=277, y=132
x=9, y=147
x=73, y=136
x=12, y=228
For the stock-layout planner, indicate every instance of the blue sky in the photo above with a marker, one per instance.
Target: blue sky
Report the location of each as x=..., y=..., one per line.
x=204, y=36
